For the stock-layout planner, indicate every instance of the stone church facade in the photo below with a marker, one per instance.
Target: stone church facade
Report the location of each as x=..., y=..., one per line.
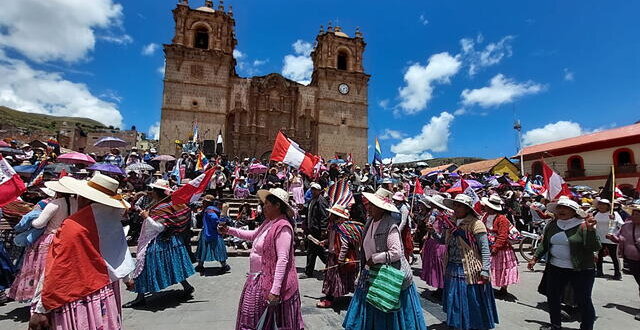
x=328, y=117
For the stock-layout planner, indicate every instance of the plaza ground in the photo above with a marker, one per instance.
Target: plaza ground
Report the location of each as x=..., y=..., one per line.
x=214, y=304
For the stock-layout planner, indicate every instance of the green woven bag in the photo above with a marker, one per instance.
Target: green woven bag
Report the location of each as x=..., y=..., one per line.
x=384, y=289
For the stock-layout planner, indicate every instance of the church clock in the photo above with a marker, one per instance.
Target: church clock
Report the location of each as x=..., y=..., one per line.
x=343, y=88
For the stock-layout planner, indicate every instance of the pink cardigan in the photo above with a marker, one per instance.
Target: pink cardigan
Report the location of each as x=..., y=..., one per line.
x=272, y=255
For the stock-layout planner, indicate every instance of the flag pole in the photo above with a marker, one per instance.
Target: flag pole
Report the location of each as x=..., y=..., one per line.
x=613, y=189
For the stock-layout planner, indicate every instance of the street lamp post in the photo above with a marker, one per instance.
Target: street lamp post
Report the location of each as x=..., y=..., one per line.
x=518, y=127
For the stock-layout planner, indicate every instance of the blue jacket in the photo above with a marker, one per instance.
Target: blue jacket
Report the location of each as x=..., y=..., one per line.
x=210, y=219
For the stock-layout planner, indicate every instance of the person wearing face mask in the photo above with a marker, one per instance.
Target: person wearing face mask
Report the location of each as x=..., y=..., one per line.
x=571, y=241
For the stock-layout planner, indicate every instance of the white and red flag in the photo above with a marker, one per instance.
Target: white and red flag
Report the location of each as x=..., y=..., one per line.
x=11, y=186
x=287, y=151
x=192, y=191
x=554, y=183
x=468, y=190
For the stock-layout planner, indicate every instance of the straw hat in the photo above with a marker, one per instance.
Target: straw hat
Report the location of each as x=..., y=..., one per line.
x=381, y=199
x=461, y=199
x=339, y=210
x=494, y=202
x=57, y=187
x=438, y=201
x=161, y=184
x=279, y=193
x=100, y=188
x=568, y=203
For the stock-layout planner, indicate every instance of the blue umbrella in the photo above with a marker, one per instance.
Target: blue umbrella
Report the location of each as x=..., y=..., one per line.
x=110, y=142
x=337, y=161
x=25, y=169
x=106, y=168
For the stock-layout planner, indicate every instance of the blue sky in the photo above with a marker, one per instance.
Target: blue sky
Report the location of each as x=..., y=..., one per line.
x=448, y=77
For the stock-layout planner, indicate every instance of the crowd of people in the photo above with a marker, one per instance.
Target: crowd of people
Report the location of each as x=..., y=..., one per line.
x=69, y=244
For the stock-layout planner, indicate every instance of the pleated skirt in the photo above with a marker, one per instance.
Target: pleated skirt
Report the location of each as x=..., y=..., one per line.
x=166, y=263
x=99, y=311
x=33, y=262
x=339, y=281
x=504, y=268
x=287, y=314
x=433, y=263
x=363, y=316
x=468, y=306
x=213, y=250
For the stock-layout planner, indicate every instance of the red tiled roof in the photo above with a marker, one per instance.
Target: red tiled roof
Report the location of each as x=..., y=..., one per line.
x=598, y=140
x=424, y=171
x=480, y=167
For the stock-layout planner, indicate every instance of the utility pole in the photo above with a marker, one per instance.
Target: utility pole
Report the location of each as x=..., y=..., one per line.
x=518, y=127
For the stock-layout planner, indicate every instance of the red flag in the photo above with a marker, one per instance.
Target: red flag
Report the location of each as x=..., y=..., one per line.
x=287, y=151
x=63, y=173
x=418, y=187
x=191, y=191
x=554, y=183
x=11, y=185
x=467, y=190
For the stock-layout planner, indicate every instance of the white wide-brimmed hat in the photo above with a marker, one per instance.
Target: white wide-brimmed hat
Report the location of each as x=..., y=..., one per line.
x=279, y=193
x=604, y=201
x=461, y=199
x=48, y=192
x=494, y=202
x=399, y=196
x=382, y=199
x=339, y=210
x=161, y=184
x=57, y=187
x=100, y=188
x=315, y=185
x=568, y=203
x=438, y=201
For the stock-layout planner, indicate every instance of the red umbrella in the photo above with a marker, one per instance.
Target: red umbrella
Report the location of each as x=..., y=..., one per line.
x=76, y=158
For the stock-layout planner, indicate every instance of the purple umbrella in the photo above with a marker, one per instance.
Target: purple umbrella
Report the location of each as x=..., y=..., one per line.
x=257, y=168
x=472, y=183
x=106, y=168
x=110, y=142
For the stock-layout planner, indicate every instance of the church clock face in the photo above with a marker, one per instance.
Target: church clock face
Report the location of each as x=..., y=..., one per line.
x=343, y=89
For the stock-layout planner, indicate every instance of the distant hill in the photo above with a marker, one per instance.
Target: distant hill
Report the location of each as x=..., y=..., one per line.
x=37, y=122
x=444, y=160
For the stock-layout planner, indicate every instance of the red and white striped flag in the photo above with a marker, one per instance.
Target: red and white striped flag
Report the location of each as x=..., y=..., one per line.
x=192, y=191
x=11, y=185
x=554, y=183
x=468, y=190
x=287, y=151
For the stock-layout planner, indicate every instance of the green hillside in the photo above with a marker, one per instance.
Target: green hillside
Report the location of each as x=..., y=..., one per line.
x=38, y=122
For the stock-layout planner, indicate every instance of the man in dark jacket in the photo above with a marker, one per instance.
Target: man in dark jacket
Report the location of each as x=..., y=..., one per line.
x=316, y=227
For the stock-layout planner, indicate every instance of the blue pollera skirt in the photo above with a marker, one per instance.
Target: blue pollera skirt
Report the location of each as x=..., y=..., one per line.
x=7, y=270
x=166, y=263
x=363, y=316
x=212, y=250
x=467, y=306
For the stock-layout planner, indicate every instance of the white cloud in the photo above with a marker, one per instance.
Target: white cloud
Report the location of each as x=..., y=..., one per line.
x=420, y=79
x=162, y=68
x=568, y=75
x=490, y=55
x=423, y=20
x=58, y=29
x=259, y=62
x=501, y=90
x=121, y=39
x=299, y=67
x=150, y=49
x=30, y=90
x=237, y=54
x=391, y=134
x=433, y=137
x=154, y=131
x=384, y=104
x=460, y=112
x=553, y=132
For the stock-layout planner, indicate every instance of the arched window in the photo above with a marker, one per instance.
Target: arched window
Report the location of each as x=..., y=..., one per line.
x=624, y=161
x=575, y=166
x=201, y=39
x=536, y=168
x=343, y=60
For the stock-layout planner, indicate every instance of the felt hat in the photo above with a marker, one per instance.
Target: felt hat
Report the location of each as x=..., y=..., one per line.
x=161, y=184
x=57, y=187
x=493, y=201
x=279, y=193
x=48, y=192
x=461, y=199
x=382, y=198
x=100, y=189
x=399, y=196
x=339, y=210
x=315, y=185
x=568, y=203
x=438, y=201
x=604, y=201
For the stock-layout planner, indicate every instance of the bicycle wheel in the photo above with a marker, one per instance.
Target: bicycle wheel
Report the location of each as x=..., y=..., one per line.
x=527, y=248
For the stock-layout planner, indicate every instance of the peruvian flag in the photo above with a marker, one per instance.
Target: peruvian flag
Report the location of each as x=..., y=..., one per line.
x=11, y=186
x=467, y=190
x=418, y=187
x=287, y=151
x=88, y=252
x=191, y=191
x=554, y=183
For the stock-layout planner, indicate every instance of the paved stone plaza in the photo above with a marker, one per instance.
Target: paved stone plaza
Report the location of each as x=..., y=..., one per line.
x=214, y=304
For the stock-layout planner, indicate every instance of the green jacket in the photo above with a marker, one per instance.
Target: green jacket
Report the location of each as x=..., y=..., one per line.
x=583, y=244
